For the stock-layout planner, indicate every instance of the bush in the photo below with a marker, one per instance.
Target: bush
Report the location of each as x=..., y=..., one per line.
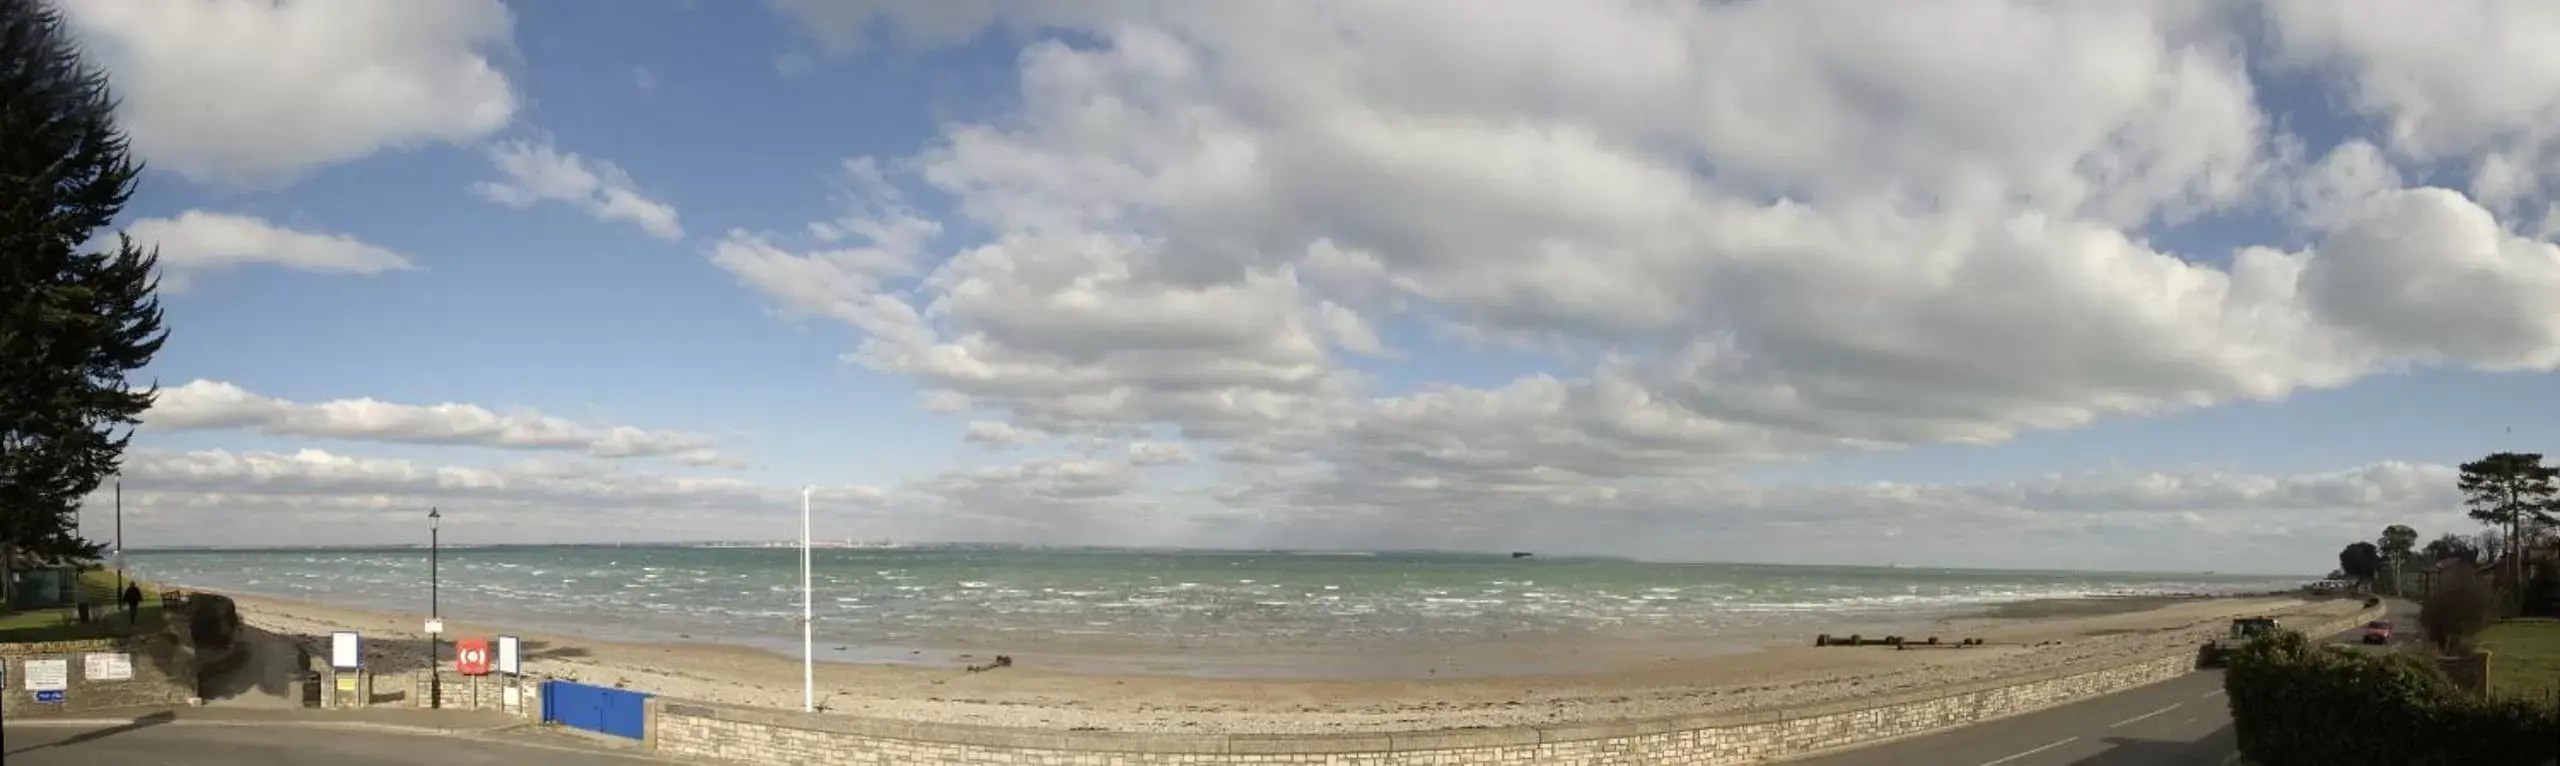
x=2542, y=593
x=2460, y=606
x=2296, y=704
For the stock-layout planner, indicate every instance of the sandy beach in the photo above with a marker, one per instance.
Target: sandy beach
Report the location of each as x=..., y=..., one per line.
x=2020, y=639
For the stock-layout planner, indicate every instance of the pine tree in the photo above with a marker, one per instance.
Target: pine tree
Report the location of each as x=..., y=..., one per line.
x=2509, y=491
x=74, y=322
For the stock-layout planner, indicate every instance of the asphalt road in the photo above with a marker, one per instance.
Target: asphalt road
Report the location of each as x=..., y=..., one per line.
x=2180, y=722
x=197, y=744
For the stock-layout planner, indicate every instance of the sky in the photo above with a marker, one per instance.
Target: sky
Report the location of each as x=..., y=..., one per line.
x=2198, y=286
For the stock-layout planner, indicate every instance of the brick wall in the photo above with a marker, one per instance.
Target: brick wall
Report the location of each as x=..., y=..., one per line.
x=786, y=738
x=164, y=673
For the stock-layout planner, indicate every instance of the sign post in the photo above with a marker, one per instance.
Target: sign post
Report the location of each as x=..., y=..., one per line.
x=471, y=656
x=511, y=665
x=346, y=667
x=107, y=666
x=508, y=662
x=48, y=679
x=346, y=650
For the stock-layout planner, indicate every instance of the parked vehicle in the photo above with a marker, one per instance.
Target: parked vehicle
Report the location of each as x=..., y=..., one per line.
x=2217, y=652
x=2377, y=632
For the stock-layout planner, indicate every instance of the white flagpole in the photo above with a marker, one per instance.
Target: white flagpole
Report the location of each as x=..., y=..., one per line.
x=808, y=631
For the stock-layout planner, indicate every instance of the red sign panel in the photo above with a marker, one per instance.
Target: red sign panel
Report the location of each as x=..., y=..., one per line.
x=471, y=656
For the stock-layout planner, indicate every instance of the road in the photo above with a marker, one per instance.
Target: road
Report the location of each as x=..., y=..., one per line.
x=2180, y=722
x=197, y=744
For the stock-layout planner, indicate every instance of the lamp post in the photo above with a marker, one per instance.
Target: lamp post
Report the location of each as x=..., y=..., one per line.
x=435, y=641
x=808, y=631
x=120, y=540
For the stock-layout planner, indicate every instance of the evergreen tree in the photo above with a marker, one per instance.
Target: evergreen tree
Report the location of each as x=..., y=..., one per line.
x=74, y=321
x=2510, y=491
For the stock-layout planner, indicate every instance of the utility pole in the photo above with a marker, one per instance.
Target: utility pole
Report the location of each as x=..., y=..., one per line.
x=119, y=538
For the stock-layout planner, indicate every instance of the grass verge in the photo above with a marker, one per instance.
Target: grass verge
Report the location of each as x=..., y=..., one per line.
x=106, y=617
x=2524, y=658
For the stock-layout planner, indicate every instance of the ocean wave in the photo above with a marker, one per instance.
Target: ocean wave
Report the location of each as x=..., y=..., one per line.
x=1154, y=598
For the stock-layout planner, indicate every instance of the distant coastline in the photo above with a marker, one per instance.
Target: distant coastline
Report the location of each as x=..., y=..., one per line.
x=1541, y=557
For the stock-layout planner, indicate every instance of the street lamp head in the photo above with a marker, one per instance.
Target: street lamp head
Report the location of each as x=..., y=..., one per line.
x=432, y=515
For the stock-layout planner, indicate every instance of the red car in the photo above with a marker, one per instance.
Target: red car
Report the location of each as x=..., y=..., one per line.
x=2377, y=632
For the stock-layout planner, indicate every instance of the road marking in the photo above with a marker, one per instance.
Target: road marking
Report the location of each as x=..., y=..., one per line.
x=2211, y=694
x=2065, y=741
x=2172, y=706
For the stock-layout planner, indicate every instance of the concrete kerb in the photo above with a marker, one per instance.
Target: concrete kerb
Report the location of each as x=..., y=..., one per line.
x=385, y=720
x=631, y=753
x=1392, y=742
x=393, y=728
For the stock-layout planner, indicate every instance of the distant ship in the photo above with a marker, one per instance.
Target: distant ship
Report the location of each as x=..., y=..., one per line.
x=1520, y=554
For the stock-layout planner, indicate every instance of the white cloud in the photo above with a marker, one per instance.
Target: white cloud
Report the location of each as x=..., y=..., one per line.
x=946, y=402
x=2425, y=274
x=197, y=241
x=312, y=496
x=206, y=404
x=998, y=435
x=2351, y=174
x=537, y=173
x=1145, y=453
x=841, y=25
x=1048, y=479
x=255, y=92
x=2470, y=81
x=1754, y=232
x=2152, y=520
x=1148, y=257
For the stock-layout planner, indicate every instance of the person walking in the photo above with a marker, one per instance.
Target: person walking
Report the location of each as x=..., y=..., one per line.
x=132, y=598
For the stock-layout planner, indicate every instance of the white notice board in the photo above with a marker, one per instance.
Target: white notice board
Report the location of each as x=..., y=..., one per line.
x=48, y=675
x=107, y=666
x=507, y=660
x=345, y=650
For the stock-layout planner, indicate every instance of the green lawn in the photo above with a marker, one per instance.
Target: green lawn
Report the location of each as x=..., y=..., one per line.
x=61, y=624
x=2524, y=658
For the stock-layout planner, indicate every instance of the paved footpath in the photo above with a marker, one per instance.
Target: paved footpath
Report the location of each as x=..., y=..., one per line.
x=2179, y=722
x=208, y=737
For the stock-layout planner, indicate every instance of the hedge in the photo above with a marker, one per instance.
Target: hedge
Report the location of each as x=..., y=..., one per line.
x=213, y=621
x=2297, y=704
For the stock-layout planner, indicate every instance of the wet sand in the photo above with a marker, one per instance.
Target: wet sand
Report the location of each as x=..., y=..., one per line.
x=1642, y=679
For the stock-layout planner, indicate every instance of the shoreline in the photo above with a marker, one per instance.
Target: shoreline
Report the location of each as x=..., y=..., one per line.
x=1418, y=656
x=2024, y=638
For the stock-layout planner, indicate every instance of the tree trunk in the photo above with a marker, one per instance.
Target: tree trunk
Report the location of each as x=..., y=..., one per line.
x=2515, y=544
x=8, y=583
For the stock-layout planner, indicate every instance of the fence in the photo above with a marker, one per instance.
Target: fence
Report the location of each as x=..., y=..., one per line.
x=618, y=712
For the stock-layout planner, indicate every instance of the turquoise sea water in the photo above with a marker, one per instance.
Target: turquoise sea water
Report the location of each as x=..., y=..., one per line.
x=1198, y=612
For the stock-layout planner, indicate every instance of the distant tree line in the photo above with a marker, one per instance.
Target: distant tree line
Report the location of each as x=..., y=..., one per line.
x=2516, y=496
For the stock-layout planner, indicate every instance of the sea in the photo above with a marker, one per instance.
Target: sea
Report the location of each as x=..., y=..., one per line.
x=1208, y=613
